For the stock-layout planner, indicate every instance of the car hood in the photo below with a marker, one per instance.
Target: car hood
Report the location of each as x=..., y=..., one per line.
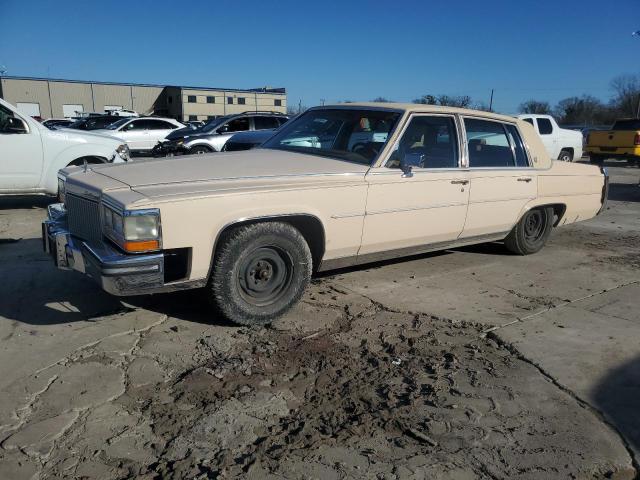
x=82, y=136
x=233, y=170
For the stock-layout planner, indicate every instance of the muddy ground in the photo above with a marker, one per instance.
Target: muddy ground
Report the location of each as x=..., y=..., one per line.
x=402, y=370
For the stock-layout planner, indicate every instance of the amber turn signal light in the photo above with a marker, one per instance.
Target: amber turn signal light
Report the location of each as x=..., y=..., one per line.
x=141, y=246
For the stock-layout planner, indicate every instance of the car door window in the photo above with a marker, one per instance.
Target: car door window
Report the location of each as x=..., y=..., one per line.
x=135, y=126
x=264, y=123
x=489, y=144
x=528, y=120
x=160, y=125
x=517, y=146
x=433, y=139
x=238, y=125
x=544, y=126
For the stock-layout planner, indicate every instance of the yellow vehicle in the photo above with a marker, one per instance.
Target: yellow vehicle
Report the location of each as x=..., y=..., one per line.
x=622, y=141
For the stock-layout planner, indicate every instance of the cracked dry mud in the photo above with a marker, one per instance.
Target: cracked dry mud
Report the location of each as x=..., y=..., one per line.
x=367, y=393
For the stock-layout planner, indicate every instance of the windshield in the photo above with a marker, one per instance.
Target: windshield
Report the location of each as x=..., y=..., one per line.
x=118, y=124
x=351, y=135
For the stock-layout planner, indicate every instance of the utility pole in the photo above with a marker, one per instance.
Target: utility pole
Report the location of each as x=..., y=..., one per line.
x=491, y=102
x=322, y=101
x=300, y=106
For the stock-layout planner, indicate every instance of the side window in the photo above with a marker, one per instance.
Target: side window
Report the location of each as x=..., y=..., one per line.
x=488, y=144
x=162, y=125
x=238, y=125
x=282, y=120
x=263, y=123
x=433, y=138
x=517, y=146
x=544, y=126
x=529, y=121
x=135, y=125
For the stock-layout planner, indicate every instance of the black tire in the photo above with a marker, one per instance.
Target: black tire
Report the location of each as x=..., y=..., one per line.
x=532, y=231
x=200, y=150
x=260, y=271
x=565, y=155
x=596, y=159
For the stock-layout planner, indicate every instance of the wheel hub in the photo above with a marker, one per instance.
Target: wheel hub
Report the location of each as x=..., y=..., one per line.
x=263, y=275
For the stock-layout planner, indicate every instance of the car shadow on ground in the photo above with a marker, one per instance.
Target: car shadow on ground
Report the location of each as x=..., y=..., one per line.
x=624, y=192
x=617, y=396
x=22, y=202
x=33, y=291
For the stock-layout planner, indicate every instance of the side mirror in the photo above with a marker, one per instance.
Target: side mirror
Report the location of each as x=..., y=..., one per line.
x=223, y=129
x=15, y=125
x=409, y=161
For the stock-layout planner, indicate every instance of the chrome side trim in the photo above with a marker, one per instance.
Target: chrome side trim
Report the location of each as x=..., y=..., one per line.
x=350, y=261
x=421, y=207
x=347, y=215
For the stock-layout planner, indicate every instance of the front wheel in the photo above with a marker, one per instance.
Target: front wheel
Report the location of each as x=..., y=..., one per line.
x=200, y=150
x=532, y=231
x=260, y=271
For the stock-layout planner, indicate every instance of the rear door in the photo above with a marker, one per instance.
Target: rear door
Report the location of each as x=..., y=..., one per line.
x=157, y=130
x=502, y=180
x=135, y=134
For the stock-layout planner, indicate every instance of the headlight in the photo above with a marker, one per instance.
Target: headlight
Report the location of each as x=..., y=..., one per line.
x=61, y=189
x=123, y=151
x=136, y=231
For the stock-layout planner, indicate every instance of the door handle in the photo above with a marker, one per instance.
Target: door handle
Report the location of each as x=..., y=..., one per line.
x=525, y=179
x=459, y=182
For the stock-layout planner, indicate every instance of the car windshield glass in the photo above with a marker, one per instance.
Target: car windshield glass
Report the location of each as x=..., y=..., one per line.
x=118, y=124
x=353, y=135
x=213, y=124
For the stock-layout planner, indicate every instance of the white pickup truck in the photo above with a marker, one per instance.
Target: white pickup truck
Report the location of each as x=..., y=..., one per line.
x=31, y=154
x=560, y=143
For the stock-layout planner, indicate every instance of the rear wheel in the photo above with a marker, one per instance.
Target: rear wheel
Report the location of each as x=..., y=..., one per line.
x=260, y=271
x=565, y=155
x=200, y=150
x=531, y=232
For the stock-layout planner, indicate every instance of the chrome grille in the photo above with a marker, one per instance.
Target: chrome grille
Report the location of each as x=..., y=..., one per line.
x=84, y=218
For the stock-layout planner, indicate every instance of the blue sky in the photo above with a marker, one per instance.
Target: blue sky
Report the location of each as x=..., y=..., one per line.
x=332, y=50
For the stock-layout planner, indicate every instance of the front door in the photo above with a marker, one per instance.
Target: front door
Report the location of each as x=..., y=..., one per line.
x=502, y=181
x=429, y=205
x=21, y=153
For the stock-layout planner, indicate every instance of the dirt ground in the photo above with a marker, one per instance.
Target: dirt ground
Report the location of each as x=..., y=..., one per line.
x=442, y=366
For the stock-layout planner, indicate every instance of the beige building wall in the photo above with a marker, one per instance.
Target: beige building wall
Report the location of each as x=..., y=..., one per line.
x=111, y=95
x=229, y=102
x=27, y=91
x=146, y=100
x=70, y=93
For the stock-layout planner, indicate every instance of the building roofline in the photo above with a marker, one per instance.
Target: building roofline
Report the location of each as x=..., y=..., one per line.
x=129, y=84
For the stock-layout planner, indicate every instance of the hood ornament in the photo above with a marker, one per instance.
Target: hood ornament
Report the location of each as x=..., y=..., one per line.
x=84, y=166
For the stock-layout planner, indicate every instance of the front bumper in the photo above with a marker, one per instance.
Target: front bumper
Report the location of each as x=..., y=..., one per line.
x=117, y=273
x=168, y=149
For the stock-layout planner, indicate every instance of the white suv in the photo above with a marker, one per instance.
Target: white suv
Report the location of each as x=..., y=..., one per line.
x=31, y=154
x=142, y=133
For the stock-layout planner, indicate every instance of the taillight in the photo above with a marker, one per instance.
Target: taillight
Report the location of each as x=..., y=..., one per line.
x=636, y=140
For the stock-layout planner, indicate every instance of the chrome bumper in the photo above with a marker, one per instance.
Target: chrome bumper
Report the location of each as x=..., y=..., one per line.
x=115, y=272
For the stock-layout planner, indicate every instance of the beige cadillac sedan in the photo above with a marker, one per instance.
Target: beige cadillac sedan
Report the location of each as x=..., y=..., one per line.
x=338, y=186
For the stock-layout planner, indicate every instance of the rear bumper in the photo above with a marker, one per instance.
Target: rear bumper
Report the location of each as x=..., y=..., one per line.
x=117, y=273
x=613, y=152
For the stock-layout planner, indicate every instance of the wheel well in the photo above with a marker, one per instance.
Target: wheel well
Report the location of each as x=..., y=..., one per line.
x=203, y=145
x=558, y=211
x=89, y=160
x=308, y=225
x=567, y=149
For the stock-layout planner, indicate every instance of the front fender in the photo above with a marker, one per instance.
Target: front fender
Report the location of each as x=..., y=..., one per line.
x=68, y=155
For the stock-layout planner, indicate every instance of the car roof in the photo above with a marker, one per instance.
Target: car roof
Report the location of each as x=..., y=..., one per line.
x=418, y=108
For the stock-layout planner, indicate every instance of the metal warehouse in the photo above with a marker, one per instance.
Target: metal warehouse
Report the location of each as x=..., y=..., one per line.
x=53, y=98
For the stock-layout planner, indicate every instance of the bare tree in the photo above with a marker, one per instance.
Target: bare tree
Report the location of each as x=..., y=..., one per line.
x=535, y=106
x=445, y=100
x=627, y=94
x=584, y=110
